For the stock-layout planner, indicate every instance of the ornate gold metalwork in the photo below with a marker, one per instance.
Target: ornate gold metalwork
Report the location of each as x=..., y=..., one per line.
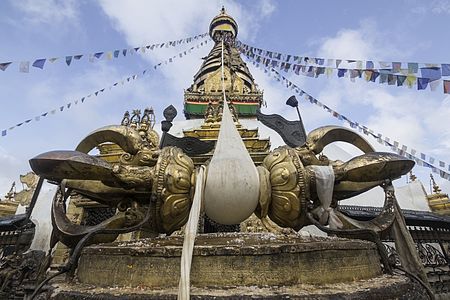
x=173, y=188
x=289, y=187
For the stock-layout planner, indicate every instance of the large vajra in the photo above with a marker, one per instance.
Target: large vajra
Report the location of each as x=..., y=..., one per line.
x=153, y=187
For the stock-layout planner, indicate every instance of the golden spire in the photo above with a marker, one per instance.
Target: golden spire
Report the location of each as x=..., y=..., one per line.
x=239, y=83
x=438, y=201
x=436, y=188
x=412, y=177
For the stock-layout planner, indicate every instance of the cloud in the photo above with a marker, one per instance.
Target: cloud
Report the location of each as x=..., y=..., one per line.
x=414, y=118
x=47, y=11
x=267, y=7
x=440, y=7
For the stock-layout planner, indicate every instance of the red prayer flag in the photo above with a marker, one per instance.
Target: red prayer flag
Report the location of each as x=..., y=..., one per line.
x=446, y=86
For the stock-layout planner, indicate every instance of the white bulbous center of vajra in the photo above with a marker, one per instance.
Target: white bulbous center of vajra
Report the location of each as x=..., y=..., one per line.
x=232, y=182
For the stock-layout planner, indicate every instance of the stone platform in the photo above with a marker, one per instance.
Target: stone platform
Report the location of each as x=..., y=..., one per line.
x=234, y=266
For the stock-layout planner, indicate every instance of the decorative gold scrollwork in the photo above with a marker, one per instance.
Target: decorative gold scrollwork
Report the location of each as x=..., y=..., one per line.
x=173, y=188
x=289, y=189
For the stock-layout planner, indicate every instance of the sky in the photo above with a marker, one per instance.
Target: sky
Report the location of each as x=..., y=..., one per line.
x=404, y=30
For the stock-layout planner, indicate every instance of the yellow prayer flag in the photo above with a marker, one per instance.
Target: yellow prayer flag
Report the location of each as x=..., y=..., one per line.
x=411, y=80
x=109, y=55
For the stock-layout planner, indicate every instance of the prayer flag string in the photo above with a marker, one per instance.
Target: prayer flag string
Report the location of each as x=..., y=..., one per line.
x=422, y=159
x=418, y=75
x=24, y=66
x=130, y=78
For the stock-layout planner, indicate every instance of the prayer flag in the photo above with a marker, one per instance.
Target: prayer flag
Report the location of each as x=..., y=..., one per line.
x=98, y=55
x=116, y=53
x=446, y=86
x=368, y=75
x=341, y=72
x=338, y=62
x=5, y=65
x=369, y=64
x=68, y=60
x=39, y=63
x=3, y=132
x=392, y=79
x=78, y=57
x=411, y=80
x=24, y=67
x=374, y=76
x=124, y=52
x=445, y=69
x=413, y=68
x=53, y=59
x=109, y=55
x=383, y=78
x=434, y=84
x=359, y=64
x=400, y=79
x=396, y=66
x=422, y=83
x=61, y=108
x=431, y=73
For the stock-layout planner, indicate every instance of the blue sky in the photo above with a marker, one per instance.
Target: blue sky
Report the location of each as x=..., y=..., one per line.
x=404, y=30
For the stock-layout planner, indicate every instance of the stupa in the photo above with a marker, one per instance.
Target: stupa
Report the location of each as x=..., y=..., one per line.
x=223, y=171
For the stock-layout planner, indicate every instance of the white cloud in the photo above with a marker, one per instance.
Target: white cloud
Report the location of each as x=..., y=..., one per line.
x=414, y=118
x=47, y=11
x=440, y=6
x=267, y=7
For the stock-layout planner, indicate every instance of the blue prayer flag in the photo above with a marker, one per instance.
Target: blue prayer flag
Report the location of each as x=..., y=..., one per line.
x=3, y=132
x=445, y=69
x=374, y=76
x=369, y=64
x=431, y=73
x=39, y=63
x=68, y=60
x=78, y=57
x=5, y=65
x=341, y=72
x=124, y=52
x=98, y=54
x=422, y=83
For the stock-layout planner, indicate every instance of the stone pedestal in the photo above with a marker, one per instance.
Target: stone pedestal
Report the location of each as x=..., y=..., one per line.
x=235, y=265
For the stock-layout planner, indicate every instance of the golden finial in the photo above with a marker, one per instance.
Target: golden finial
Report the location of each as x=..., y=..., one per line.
x=412, y=177
x=436, y=188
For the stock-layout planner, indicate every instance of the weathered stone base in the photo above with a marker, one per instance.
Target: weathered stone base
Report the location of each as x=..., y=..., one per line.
x=231, y=259
x=382, y=287
x=237, y=266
